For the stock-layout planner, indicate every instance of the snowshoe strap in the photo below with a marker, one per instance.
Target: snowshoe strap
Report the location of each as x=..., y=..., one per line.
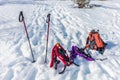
x=63, y=70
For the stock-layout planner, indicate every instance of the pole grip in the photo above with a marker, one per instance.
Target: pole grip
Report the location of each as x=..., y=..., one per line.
x=48, y=18
x=21, y=17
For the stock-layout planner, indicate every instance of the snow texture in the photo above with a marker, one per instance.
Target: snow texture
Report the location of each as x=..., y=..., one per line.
x=70, y=26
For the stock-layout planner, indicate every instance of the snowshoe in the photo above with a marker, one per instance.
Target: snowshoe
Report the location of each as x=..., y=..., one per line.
x=80, y=51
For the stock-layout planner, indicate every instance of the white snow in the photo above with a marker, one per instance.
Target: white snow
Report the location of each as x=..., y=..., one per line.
x=69, y=26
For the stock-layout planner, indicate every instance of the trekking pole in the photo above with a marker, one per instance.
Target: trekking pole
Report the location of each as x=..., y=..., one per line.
x=21, y=19
x=47, y=21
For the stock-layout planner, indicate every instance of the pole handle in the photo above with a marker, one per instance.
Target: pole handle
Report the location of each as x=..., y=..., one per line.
x=48, y=18
x=21, y=17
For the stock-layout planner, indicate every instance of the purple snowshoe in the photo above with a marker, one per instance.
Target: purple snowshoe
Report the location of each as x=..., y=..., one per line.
x=79, y=51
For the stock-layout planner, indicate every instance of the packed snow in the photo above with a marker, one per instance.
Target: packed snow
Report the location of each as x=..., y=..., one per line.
x=69, y=26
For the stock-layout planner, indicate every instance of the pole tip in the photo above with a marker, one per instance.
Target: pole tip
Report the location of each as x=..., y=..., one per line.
x=33, y=61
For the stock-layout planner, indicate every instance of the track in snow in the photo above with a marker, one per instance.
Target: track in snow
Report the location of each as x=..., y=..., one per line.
x=69, y=27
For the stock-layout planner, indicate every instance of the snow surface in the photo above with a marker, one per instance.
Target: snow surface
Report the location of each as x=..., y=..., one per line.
x=69, y=26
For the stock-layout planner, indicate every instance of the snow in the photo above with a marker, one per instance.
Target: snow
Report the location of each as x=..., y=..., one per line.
x=69, y=26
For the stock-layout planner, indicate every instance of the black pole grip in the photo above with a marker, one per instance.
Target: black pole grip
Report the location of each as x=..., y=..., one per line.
x=21, y=17
x=48, y=18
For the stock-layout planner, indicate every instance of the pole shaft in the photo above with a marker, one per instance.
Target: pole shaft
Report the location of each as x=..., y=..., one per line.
x=48, y=21
x=47, y=41
x=28, y=40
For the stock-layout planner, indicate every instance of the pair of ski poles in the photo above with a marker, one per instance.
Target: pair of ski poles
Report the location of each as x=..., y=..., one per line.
x=21, y=19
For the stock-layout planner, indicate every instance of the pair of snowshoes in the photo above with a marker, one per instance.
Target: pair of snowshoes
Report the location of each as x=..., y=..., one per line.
x=67, y=61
